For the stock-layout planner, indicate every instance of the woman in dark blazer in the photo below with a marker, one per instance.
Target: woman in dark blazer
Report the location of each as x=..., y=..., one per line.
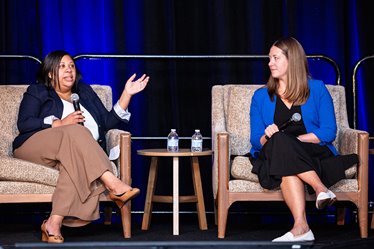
x=51, y=134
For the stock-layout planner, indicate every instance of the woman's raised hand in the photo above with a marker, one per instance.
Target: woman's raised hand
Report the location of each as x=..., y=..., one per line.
x=134, y=86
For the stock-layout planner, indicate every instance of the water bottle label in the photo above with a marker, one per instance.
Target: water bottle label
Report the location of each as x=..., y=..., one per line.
x=197, y=143
x=172, y=142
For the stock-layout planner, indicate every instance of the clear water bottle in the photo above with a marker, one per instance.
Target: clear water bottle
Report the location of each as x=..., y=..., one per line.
x=173, y=140
x=197, y=142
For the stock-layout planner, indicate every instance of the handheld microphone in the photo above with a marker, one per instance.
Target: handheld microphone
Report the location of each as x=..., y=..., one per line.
x=75, y=100
x=296, y=117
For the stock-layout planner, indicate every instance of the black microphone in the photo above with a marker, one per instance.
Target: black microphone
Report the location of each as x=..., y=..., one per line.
x=75, y=100
x=296, y=117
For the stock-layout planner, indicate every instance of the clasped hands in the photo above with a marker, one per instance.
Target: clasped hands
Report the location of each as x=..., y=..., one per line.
x=308, y=138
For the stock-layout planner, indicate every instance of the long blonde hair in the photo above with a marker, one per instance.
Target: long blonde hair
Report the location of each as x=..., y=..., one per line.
x=297, y=90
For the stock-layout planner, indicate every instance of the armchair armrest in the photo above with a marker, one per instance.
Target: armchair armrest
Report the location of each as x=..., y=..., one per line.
x=350, y=140
x=116, y=137
x=221, y=169
x=356, y=141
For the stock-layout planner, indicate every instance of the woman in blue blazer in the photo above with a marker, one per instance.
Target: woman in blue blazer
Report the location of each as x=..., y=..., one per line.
x=291, y=152
x=55, y=133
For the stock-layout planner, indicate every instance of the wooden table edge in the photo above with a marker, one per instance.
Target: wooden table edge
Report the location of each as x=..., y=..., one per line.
x=180, y=153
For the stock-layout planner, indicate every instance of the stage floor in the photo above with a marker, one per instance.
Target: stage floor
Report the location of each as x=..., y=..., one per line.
x=248, y=230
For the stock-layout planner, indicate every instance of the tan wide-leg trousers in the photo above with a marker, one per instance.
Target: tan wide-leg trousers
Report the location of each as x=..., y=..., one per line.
x=81, y=161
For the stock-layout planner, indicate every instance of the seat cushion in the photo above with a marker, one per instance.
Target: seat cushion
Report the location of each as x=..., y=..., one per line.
x=241, y=168
x=13, y=169
x=19, y=188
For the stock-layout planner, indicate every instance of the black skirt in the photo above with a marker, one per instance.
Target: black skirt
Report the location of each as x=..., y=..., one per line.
x=285, y=155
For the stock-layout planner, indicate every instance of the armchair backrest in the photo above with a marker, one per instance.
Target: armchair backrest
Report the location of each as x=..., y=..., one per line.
x=231, y=108
x=10, y=99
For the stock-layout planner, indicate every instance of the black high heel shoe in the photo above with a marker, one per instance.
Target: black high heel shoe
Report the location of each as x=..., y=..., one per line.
x=122, y=199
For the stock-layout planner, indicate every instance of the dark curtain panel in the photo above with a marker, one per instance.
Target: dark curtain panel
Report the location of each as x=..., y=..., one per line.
x=179, y=93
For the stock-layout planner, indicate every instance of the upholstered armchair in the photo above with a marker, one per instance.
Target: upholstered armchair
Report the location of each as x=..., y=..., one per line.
x=232, y=178
x=26, y=182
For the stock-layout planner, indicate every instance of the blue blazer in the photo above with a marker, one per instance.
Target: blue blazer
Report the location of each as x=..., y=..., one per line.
x=317, y=114
x=39, y=102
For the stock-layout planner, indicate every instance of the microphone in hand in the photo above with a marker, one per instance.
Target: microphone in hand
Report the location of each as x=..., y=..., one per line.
x=296, y=117
x=75, y=100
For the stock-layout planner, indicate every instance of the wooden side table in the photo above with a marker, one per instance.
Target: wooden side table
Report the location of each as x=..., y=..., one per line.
x=175, y=198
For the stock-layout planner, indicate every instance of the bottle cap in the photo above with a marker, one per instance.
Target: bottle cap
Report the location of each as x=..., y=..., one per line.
x=197, y=130
x=173, y=130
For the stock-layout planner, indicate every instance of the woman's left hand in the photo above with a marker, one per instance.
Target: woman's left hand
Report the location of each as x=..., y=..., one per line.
x=309, y=138
x=134, y=86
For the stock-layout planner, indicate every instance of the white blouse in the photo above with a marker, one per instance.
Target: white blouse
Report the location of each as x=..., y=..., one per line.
x=89, y=123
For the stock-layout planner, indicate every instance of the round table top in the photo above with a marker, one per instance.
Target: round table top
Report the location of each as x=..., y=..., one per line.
x=180, y=153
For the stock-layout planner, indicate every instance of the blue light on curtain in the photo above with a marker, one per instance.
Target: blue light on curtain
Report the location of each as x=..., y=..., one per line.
x=79, y=27
x=134, y=31
x=314, y=26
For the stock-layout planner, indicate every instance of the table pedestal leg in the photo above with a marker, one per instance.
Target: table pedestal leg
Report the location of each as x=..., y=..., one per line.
x=200, y=206
x=150, y=192
x=175, y=196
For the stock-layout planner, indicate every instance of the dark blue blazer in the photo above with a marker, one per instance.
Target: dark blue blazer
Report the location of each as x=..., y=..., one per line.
x=39, y=102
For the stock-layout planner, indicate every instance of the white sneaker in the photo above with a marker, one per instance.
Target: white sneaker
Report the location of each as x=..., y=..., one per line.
x=325, y=199
x=289, y=237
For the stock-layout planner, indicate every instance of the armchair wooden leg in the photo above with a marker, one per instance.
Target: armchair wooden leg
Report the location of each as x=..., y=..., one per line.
x=223, y=185
x=126, y=220
x=340, y=220
x=372, y=220
x=108, y=215
x=222, y=220
x=215, y=212
x=363, y=220
x=125, y=170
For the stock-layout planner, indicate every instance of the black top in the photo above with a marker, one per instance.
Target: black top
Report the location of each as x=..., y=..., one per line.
x=283, y=114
